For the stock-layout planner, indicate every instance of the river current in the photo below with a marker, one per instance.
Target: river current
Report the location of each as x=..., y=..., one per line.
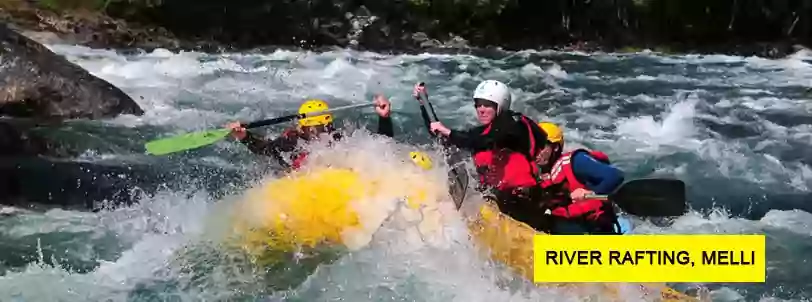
x=737, y=130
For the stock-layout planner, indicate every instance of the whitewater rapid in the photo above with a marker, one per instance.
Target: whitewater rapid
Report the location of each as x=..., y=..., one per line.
x=735, y=129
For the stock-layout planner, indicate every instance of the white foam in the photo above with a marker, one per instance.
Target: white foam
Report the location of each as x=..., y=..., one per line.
x=675, y=127
x=192, y=91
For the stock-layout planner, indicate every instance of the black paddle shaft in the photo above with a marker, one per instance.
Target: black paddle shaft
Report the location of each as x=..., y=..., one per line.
x=287, y=118
x=457, y=174
x=273, y=121
x=431, y=107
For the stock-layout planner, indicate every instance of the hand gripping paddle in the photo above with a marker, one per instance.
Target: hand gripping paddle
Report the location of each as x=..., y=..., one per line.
x=457, y=175
x=199, y=139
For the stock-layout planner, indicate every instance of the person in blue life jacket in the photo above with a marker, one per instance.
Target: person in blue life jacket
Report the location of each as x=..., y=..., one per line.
x=569, y=179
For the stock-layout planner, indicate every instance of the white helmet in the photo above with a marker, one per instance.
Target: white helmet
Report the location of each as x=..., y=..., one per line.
x=494, y=91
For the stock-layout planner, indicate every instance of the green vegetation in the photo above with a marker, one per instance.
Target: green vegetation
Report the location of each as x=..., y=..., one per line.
x=670, y=25
x=58, y=5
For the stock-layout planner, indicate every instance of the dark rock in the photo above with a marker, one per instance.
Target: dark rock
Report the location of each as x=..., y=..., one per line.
x=15, y=142
x=40, y=183
x=83, y=27
x=37, y=83
x=40, y=88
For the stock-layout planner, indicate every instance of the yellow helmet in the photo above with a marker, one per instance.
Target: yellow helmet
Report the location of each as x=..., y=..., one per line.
x=315, y=105
x=554, y=134
x=421, y=159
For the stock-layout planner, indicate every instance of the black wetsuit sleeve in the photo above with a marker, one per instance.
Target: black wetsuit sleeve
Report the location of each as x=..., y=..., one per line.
x=502, y=134
x=385, y=126
x=272, y=148
x=469, y=140
x=505, y=132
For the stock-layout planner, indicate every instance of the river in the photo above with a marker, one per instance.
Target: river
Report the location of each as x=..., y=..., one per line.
x=737, y=130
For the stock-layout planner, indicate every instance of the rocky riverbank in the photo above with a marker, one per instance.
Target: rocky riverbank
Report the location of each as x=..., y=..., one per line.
x=39, y=89
x=743, y=27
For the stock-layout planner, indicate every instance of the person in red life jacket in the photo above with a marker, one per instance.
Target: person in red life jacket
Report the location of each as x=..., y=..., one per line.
x=504, y=148
x=569, y=179
x=310, y=128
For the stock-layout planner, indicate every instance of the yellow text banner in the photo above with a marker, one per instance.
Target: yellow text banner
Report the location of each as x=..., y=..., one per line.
x=649, y=258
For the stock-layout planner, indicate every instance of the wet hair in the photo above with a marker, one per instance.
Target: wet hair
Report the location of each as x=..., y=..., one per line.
x=558, y=150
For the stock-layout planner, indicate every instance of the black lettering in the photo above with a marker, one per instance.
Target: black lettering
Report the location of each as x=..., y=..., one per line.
x=583, y=258
x=724, y=257
x=614, y=256
x=709, y=258
x=728, y=258
x=573, y=257
x=733, y=260
x=595, y=256
x=684, y=258
x=627, y=258
x=668, y=257
x=743, y=258
x=552, y=256
x=570, y=257
x=637, y=257
x=653, y=257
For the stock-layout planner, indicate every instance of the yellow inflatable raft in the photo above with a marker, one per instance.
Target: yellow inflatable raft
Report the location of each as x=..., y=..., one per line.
x=337, y=206
x=330, y=206
x=511, y=242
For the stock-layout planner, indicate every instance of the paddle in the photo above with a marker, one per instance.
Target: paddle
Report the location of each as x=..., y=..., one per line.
x=199, y=139
x=649, y=197
x=458, y=174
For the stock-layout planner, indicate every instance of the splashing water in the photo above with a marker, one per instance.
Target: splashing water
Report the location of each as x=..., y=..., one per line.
x=734, y=128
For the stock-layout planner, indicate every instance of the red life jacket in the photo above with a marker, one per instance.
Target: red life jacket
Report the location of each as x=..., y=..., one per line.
x=297, y=159
x=562, y=174
x=508, y=169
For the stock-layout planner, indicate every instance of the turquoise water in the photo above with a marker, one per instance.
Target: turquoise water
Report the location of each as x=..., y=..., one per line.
x=735, y=129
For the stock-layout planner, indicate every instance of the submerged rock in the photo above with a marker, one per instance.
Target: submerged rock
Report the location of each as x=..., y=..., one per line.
x=38, y=83
x=14, y=142
x=40, y=87
x=41, y=183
